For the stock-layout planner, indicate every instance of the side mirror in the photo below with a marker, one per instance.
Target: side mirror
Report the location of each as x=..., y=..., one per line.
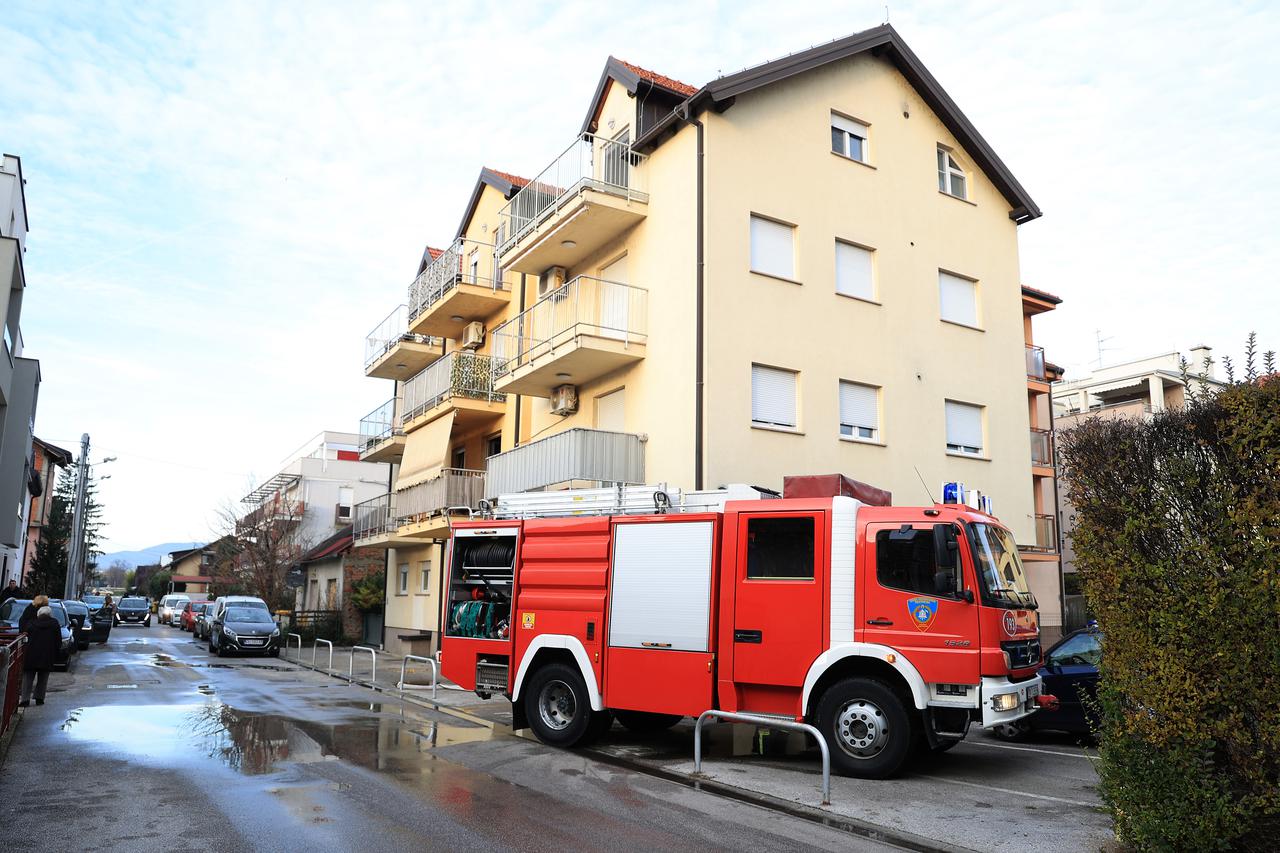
x=945, y=547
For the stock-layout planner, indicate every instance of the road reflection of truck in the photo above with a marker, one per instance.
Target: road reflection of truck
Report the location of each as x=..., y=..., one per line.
x=888, y=628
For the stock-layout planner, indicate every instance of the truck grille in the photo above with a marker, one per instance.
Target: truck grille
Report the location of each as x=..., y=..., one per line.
x=1022, y=653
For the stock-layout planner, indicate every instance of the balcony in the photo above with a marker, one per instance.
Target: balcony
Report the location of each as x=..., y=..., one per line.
x=424, y=510
x=376, y=524
x=271, y=515
x=1041, y=448
x=462, y=383
x=573, y=457
x=576, y=333
x=1035, y=364
x=588, y=196
x=462, y=284
x=381, y=434
x=1046, y=534
x=392, y=352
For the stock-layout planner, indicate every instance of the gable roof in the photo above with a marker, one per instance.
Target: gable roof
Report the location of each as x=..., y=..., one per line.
x=429, y=254
x=882, y=41
x=331, y=547
x=504, y=182
x=630, y=77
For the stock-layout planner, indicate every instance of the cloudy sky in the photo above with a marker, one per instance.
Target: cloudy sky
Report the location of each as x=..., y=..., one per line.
x=225, y=198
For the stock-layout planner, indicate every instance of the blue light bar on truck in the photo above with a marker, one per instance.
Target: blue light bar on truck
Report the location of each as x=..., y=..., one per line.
x=953, y=493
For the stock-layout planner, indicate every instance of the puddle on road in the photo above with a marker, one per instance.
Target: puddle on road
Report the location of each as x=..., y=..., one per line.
x=253, y=743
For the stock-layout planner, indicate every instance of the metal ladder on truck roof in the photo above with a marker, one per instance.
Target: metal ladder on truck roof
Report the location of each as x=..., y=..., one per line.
x=620, y=499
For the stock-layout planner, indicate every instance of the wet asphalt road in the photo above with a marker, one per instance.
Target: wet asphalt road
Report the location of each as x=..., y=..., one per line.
x=151, y=743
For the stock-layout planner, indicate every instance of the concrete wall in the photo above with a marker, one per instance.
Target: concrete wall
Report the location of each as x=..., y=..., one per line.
x=15, y=451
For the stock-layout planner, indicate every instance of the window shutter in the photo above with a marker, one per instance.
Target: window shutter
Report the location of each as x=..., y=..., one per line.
x=611, y=411
x=771, y=247
x=859, y=406
x=773, y=396
x=854, y=271
x=959, y=299
x=848, y=125
x=964, y=425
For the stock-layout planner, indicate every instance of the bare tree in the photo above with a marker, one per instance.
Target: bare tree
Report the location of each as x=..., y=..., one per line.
x=260, y=543
x=114, y=574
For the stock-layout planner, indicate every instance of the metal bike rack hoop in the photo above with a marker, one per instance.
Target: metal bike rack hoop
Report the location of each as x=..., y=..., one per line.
x=286, y=645
x=772, y=722
x=373, y=663
x=315, y=647
x=404, y=663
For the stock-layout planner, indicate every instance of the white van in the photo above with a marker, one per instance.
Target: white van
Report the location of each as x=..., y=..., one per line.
x=171, y=605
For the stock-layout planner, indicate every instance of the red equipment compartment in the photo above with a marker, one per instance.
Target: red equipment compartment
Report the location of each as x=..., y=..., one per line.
x=833, y=486
x=662, y=682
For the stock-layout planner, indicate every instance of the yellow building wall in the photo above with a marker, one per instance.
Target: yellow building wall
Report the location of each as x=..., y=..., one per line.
x=414, y=611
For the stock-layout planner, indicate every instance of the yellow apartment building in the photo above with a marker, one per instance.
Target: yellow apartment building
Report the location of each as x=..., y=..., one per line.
x=809, y=266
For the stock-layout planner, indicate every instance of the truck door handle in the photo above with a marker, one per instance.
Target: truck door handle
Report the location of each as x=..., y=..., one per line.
x=880, y=621
x=747, y=636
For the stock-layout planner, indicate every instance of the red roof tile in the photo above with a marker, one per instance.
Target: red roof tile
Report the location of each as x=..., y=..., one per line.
x=434, y=253
x=515, y=180
x=660, y=79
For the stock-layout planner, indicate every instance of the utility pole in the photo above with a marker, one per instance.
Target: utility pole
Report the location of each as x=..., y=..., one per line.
x=75, y=559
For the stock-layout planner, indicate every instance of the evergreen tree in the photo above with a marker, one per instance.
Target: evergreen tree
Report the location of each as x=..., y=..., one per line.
x=48, y=572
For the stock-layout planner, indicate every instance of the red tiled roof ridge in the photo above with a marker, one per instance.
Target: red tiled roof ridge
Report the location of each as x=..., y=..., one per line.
x=661, y=79
x=434, y=252
x=515, y=180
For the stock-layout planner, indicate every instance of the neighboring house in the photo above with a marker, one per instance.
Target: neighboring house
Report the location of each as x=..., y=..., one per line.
x=189, y=570
x=142, y=578
x=46, y=459
x=19, y=377
x=329, y=570
x=1132, y=389
x=810, y=266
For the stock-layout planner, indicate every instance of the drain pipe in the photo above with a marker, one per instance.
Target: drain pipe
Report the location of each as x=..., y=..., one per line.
x=685, y=114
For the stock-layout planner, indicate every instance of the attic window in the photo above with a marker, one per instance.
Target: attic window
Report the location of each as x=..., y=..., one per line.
x=848, y=138
x=951, y=178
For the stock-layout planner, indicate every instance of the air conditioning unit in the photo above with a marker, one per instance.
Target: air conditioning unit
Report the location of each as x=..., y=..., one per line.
x=551, y=280
x=473, y=335
x=564, y=400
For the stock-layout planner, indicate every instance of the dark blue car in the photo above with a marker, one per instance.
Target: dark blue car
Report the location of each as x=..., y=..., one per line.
x=1070, y=672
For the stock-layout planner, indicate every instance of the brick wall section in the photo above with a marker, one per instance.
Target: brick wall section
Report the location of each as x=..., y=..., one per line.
x=356, y=564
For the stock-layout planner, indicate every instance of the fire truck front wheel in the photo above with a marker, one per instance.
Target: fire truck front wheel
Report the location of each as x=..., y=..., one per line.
x=558, y=708
x=866, y=726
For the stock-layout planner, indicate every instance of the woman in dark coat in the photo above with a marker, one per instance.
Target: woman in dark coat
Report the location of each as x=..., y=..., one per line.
x=44, y=638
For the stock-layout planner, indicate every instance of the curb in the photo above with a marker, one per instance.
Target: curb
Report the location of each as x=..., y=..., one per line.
x=853, y=826
x=7, y=737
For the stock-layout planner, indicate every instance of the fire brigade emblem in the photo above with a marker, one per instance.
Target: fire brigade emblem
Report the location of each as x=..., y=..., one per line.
x=922, y=612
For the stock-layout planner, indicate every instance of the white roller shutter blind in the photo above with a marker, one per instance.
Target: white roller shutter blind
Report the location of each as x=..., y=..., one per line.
x=771, y=247
x=848, y=125
x=661, y=589
x=964, y=425
x=611, y=411
x=854, y=271
x=859, y=405
x=773, y=396
x=959, y=299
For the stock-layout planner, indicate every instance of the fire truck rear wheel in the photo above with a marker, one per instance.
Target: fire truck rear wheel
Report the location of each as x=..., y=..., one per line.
x=643, y=723
x=558, y=707
x=866, y=726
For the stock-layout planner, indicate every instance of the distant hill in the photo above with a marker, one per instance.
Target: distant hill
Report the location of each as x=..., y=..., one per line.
x=146, y=556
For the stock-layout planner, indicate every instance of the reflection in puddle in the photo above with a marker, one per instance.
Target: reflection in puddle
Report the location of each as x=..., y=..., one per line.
x=253, y=743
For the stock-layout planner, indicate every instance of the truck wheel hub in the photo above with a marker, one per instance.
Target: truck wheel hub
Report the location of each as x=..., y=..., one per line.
x=557, y=705
x=862, y=729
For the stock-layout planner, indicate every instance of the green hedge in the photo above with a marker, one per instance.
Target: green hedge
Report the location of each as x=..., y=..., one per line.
x=1177, y=539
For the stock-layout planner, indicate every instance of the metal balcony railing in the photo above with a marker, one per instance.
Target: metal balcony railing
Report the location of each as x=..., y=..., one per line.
x=454, y=487
x=1035, y=363
x=388, y=333
x=583, y=305
x=375, y=517
x=1046, y=533
x=458, y=374
x=591, y=162
x=1042, y=448
x=575, y=455
x=464, y=262
x=272, y=513
x=379, y=425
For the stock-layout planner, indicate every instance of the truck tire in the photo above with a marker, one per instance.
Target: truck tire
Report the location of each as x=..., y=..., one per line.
x=643, y=723
x=867, y=728
x=558, y=707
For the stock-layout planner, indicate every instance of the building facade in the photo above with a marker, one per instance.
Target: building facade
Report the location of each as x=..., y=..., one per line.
x=46, y=460
x=329, y=571
x=810, y=266
x=19, y=376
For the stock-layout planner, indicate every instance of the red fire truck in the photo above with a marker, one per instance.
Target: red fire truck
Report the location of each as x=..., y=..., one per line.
x=888, y=628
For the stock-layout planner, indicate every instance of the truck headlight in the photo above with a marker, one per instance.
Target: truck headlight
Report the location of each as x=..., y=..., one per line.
x=1004, y=701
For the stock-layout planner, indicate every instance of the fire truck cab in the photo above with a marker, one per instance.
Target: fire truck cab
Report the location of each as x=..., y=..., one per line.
x=888, y=628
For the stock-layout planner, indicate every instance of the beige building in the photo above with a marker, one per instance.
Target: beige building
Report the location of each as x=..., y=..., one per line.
x=810, y=266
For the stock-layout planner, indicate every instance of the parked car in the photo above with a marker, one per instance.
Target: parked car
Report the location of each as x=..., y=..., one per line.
x=133, y=611
x=11, y=613
x=170, y=606
x=187, y=619
x=94, y=602
x=200, y=627
x=1070, y=672
x=87, y=630
x=243, y=623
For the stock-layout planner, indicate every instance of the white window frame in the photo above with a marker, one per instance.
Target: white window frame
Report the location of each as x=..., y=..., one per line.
x=958, y=448
x=757, y=261
x=402, y=579
x=874, y=295
x=473, y=266
x=424, y=577
x=780, y=374
x=844, y=127
x=949, y=169
x=943, y=276
x=859, y=432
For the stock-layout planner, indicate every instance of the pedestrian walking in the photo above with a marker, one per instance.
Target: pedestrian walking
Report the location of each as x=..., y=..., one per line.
x=29, y=615
x=44, y=638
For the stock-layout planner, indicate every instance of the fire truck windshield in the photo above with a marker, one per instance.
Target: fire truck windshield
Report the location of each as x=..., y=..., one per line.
x=1004, y=583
